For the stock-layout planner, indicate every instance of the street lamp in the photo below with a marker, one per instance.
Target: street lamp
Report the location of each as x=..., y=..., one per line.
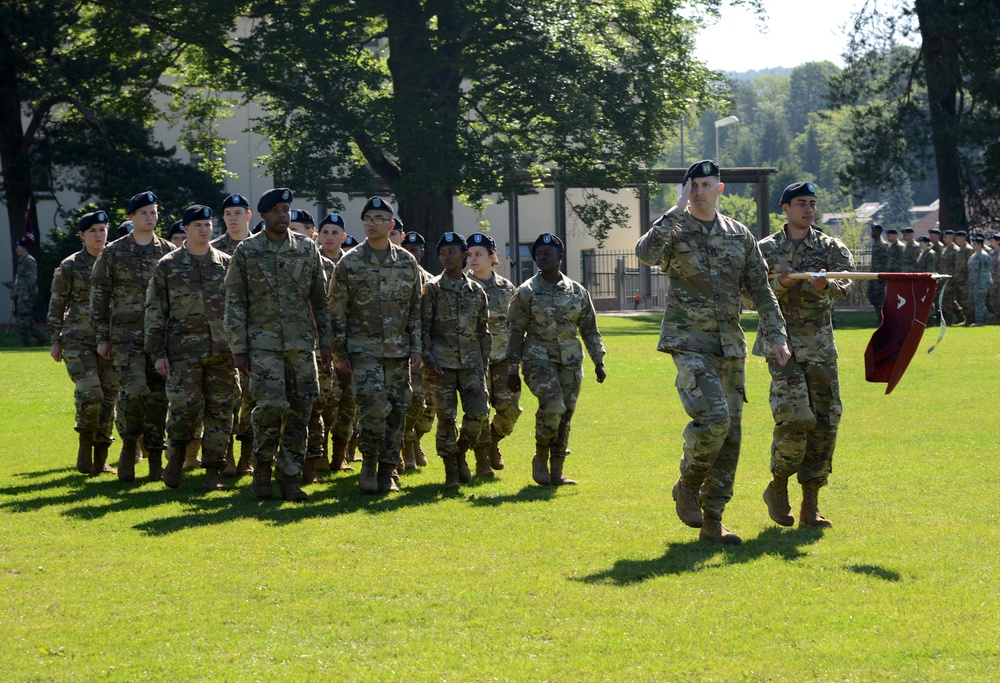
x=729, y=120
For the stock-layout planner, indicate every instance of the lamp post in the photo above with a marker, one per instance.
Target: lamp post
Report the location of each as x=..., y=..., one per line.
x=720, y=123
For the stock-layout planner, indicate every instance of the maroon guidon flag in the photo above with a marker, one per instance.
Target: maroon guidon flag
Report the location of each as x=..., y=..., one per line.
x=908, y=301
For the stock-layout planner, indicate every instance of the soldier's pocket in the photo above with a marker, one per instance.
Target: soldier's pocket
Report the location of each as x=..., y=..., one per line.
x=691, y=392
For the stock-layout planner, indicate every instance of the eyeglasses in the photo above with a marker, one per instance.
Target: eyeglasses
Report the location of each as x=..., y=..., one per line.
x=375, y=221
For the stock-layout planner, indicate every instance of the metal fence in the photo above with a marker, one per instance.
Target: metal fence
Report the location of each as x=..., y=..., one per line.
x=612, y=278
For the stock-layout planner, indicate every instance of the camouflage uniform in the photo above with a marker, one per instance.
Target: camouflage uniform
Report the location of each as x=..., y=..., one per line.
x=911, y=254
x=543, y=320
x=316, y=444
x=376, y=325
x=455, y=325
x=961, y=280
x=980, y=281
x=951, y=309
x=185, y=307
x=880, y=264
x=805, y=393
x=894, y=263
x=25, y=293
x=927, y=263
x=994, y=296
x=69, y=323
x=117, y=308
x=707, y=270
x=420, y=414
x=505, y=402
x=276, y=308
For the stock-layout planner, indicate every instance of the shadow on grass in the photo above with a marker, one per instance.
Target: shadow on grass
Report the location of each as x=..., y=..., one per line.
x=875, y=571
x=529, y=494
x=693, y=556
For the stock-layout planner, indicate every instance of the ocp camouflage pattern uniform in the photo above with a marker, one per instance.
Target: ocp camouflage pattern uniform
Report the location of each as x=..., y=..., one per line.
x=961, y=280
x=880, y=264
x=894, y=264
x=980, y=281
x=543, y=321
x=25, y=294
x=456, y=336
x=499, y=291
x=376, y=325
x=341, y=414
x=805, y=392
x=994, y=297
x=911, y=255
x=276, y=307
x=316, y=444
x=420, y=415
x=707, y=270
x=117, y=309
x=927, y=263
x=185, y=309
x=951, y=309
x=96, y=384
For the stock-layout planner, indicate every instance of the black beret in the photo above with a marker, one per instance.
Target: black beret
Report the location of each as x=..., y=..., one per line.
x=198, y=212
x=125, y=228
x=349, y=242
x=702, y=169
x=961, y=233
x=92, y=218
x=235, y=200
x=176, y=228
x=378, y=204
x=414, y=238
x=892, y=231
x=934, y=231
x=257, y=228
x=23, y=243
x=451, y=238
x=907, y=231
x=949, y=232
x=399, y=223
x=876, y=226
x=140, y=200
x=302, y=216
x=923, y=238
x=995, y=236
x=806, y=189
x=546, y=239
x=272, y=197
x=978, y=238
x=332, y=219
x=478, y=239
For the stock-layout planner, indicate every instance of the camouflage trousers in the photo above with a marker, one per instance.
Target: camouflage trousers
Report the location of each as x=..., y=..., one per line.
x=242, y=407
x=951, y=309
x=557, y=388
x=142, y=397
x=805, y=403
x=962, y=294
x=382, y=392
x=420, y=415
x=712, y=391
x=876, y=294
x=27, y=328
x=96, y=387
x=978, y=294
x=283, y=385
x=470, y=384
x=505, y=402
x=200, y=397
x=315, y=445
x=993, y=299
x=341, y=413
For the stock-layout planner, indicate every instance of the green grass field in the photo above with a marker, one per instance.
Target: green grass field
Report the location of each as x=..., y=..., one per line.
x=507, y=581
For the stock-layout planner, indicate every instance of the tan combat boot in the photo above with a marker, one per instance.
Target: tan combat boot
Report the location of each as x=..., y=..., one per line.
x=309, y=475
x=245, y=465
x=230, y=468
x=126, y=463
x=261, y=486
x=540, y=465
x=809, y=512
x=464, y=474
x=368, y=480
x=714, y=531
x=776, y=497
x=451, y=472
x=175, y=465
x=409, y=459
x=352, y=451
x=85, y=454
x=323, y=462
x=101, y=465
x=191, y=461
x=556, y=477
x=496, y=459
x=213, y=480
x=290, y=490
x=384, y=481
x=339, y=460
x=418, y=455
x=688, y=503
x=483, y=468
x=155, y=464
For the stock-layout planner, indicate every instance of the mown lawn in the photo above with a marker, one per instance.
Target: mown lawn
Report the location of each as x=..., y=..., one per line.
x=509, y=581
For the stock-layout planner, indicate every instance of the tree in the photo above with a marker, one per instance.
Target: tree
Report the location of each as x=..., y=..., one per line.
x=898, y=202
x=809, y=91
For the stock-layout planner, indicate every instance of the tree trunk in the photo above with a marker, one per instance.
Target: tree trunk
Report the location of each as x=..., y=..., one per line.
x=15, y=164
x=432, y=215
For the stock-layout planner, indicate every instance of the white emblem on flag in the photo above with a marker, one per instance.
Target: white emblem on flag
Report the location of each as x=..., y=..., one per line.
x=901, y=302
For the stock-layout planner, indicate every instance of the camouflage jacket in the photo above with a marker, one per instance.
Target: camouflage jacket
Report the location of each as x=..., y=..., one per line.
x=979, y=270
x=225, y=244
x=455, y=323
x=498, y=290
x=376, y=306
x=911, y=254
x=946, y=264
x=69, y=307
x=186, y=305
x=118, y=288
x=880, y=256
x=27, y=278
x=894, y=264
x=544, y=319
x=276, y=296
x=807, y=310
x=707, y=273
x=962, y=257
x=937, y=248
x=927, y=263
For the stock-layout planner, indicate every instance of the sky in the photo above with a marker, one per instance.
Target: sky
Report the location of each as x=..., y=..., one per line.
x=794, y=33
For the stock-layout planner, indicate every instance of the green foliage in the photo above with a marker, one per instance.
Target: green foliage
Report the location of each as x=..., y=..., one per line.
x=743, y=209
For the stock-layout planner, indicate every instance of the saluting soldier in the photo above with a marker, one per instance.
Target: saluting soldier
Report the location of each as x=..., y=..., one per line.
x=24, y=294
x=805, y=391
x=375, y=297
x=710, y=259
x=499, y=291
x=420, y=415
x=186, y=337
x=276, y=308
x=117, y=309
x=74, y=343
x=546, y=314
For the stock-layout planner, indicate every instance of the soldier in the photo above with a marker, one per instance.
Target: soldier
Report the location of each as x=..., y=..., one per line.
x=951, y=309
x=805, y=391
x=961, y=280
x=911, y=251
x=176, y=234
x=420, y=414
x=709, y=260
x=880, y=263
x=117, y=309
x=980, y=279
x=894, y=262
x=349, y=242
x=456, y=343
x=24, y=293
x=185, y=306
x=276, y=308
x=375, y=299
x=303, y=223
x=340, y=412
x=124, y=228
x=927, y=261
x=936, y=245
x=396, y=231
x=499, y=290
x=73, y=343
x=545, y=315
x=236, y=215
x=993, y=301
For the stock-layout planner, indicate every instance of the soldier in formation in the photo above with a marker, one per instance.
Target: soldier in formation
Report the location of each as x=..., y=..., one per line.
x=894, y=262
x=951, y=309
x=980, y=280
x=993, y=302
x=961, y=275
x=24, y=294
x=880, y=263
x=420, y=415
x=911, y=251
